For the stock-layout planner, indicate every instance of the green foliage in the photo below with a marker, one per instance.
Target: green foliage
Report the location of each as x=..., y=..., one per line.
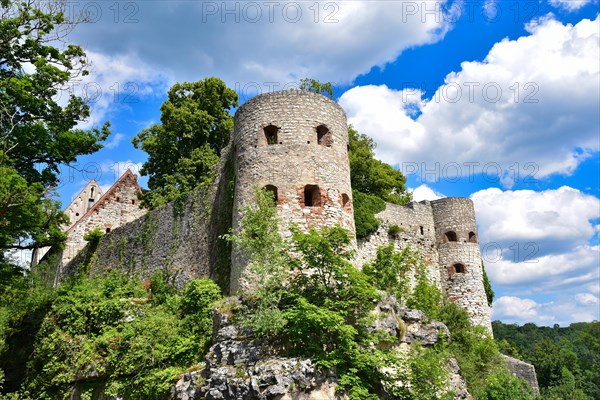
x=389, y=271
x=93, y=236
x=160, y=289
x=312, y=85
x=501, y=385
x=426, y=296
x=365, y=208
x=566, y=360
x=395, y=230
x=183, y=149
x=371, y=176
x=428, y=375
x=487, y=286
x=262, y=280
x=373, y=183
x=110, y=330
x=37, y=135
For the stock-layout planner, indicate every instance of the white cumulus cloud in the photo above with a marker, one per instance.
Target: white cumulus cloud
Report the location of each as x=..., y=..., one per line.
x=424, y=192
x=563, y=311
x=539, y=242
x=530, y=109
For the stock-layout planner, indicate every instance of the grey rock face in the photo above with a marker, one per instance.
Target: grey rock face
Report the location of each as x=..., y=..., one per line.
x=523, y=370
x=239, y=367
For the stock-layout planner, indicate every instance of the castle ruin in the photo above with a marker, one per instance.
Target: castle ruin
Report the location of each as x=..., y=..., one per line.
x=294, y=144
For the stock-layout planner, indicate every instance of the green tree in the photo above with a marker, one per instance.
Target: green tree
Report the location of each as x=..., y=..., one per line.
x=185, y=146
x=312, y=85
x=37, y=134
x=371, y=176
x=487, y=286
x=373, y=183
x=388, y=272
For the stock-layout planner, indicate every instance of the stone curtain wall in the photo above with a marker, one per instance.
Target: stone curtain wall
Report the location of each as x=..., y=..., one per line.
x=286, y=141
x=411, y=219
x=182, y=240
x=523, y=370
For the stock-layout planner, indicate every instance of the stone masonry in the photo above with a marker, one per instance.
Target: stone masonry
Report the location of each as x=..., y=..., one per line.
x=118, y=206
x=445, y=233
x=294, y=144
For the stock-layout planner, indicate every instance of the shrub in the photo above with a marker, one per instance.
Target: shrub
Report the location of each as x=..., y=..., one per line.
x=365, y=208
x=93, y=236
x=395, y=230
x=501, y=385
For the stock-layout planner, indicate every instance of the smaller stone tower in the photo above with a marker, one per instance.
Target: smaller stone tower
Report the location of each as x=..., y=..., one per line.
x=460, y=258
x=294, y=144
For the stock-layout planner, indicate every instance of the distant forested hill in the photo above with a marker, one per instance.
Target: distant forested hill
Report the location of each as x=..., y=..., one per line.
x=567, y=360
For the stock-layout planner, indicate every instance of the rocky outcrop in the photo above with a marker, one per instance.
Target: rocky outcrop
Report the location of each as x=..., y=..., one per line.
x=522, y=370
x=239, y=367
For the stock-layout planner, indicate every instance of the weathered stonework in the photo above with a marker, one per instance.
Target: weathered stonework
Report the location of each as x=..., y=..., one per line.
x=444, y=231
x=181, y=240
x=525, y=371
x=118, y=206
x=294, y=143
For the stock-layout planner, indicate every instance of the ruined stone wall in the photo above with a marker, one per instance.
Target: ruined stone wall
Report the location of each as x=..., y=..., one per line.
x=294, y=143
x=521, y=369
x=424, y=226
x=179, y=239
x=417, y=231
x=117, y=207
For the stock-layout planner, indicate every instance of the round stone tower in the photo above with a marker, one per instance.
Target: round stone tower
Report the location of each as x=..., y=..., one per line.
x=294, y=144
x=460, y=258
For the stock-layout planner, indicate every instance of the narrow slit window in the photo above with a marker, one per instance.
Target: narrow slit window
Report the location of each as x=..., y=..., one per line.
x=472, y=237
x=312, y=196
x=324, y=136
x=451, y=236
x=270, y=132
x=459, y=268
x=421, y=229
x=345, y=199
x=273, y=190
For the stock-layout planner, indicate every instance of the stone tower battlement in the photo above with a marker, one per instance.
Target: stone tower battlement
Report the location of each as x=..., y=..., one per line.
x=294, y=144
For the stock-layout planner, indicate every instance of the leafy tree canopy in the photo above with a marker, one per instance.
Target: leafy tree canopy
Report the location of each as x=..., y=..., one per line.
x=371, y=176
x=37, y=134
x=312, y=85
x=184, y=147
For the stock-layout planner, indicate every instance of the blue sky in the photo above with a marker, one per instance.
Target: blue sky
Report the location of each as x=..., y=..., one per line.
x=493, y=100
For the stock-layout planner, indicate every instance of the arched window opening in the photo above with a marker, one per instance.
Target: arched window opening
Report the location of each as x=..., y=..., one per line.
x=324, y=136
x=273, y=190
x=92, y=191
x=133, y=202
x=472, y=237
x=107, y=230
x=118, y=199
x=450, y=236
x=270, y=132
x=345, y=199
x=459, y=268
x=421, y=229
x=312, y=196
